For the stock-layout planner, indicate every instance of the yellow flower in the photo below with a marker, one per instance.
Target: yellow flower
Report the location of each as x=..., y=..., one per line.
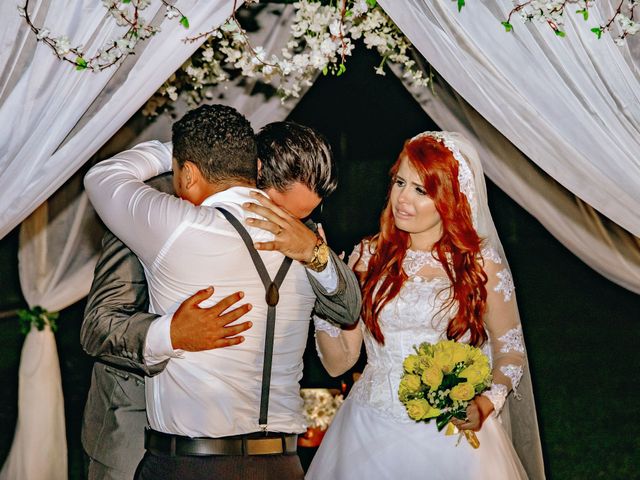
x=443, y=356
x=432, y=376
x=460, y=352
x=420, y=409
x=474, y=374
x=462, y=392
x=411, y=383
x=476, y=356
x=411, y=364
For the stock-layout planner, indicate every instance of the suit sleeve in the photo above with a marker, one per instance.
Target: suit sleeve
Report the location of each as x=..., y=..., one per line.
x=341, y=306
x=115, y=321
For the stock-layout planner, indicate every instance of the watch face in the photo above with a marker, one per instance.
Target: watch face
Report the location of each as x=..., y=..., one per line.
x=323, y=254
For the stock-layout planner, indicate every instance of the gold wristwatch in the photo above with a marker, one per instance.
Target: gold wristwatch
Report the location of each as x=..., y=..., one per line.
x=320, y=256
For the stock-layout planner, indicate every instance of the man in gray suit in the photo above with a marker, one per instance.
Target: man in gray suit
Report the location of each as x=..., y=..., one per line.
x=115, y=324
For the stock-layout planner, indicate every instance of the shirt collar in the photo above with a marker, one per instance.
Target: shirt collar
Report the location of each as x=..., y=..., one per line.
x=237, y=195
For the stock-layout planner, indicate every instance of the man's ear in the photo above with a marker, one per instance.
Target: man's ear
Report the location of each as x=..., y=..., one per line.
x=259, y=168
x=191, y=174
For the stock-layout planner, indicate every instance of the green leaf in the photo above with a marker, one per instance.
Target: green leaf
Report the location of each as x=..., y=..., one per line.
x=342, y=69
x=81, y=64
x=584, y=12
x=460, y=5
x=372, y=3
x=38, y=317
x=560, y=33
x=126, y=1
x=507, y=26
x=325, y=70
x=597, y=31
x=185, y=22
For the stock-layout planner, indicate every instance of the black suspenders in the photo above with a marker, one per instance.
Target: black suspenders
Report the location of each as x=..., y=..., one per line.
x=271, y=296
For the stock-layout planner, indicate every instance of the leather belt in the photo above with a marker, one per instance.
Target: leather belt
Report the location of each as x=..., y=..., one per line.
x=260, y=443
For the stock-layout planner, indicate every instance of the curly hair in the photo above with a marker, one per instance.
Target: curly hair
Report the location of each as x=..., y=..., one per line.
x=219, y=141
x=458, y=249
x=294, y=153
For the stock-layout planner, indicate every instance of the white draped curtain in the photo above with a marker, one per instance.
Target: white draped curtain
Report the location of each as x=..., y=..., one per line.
x=571, y=105
x=52, y=118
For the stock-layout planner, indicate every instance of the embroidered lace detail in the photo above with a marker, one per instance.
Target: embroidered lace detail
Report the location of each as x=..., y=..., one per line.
x=362, y=253
x=497, y=394
x=514, y=372
x=465, y=176
x=512, y=341
x=491, y=254
x=414, y=260
x=413, y=317
x=505, y=285
x=322, y=325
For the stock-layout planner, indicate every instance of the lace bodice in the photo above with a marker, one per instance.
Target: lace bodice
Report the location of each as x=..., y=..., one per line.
x=417, y=315
x=409, y=319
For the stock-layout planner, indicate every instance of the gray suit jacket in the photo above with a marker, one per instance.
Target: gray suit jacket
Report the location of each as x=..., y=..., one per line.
x=114, y=331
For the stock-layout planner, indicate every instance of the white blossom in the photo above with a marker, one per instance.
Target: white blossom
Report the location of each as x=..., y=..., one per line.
x=171, y=12
x=62, y=45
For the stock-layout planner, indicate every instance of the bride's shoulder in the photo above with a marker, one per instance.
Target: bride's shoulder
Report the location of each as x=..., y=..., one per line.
x=361, y=254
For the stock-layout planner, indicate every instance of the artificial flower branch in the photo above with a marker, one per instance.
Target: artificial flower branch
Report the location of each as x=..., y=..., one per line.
x=114, y=50
x=552, y=12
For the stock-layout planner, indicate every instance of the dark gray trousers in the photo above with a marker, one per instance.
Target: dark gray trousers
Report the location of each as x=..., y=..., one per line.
x=236, y=467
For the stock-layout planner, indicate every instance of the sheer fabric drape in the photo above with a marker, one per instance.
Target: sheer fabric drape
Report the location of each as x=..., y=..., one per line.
x=600, y=243
x=571, y=105
x=53, y=119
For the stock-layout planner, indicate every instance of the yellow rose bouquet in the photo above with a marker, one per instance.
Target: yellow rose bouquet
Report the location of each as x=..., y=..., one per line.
x=440, y=380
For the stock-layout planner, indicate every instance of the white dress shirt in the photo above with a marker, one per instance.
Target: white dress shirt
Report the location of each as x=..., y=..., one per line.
x=184, y=248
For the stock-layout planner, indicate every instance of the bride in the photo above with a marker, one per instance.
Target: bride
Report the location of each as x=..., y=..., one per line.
x=435, y=270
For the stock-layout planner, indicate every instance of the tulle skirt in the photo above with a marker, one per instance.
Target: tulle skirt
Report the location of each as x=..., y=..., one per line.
x=363, y=444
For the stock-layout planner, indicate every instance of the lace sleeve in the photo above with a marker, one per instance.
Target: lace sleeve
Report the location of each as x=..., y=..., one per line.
x=505, y=332
x=339, y=349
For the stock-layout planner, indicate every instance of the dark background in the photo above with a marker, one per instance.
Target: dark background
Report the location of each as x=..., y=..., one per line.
x=581, y=330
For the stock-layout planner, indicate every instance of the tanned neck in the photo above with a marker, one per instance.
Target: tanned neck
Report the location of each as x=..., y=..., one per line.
x=204, y=189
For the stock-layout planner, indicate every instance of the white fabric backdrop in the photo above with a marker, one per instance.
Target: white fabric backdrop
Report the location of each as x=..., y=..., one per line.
x=66, y=116
x=571, y=105
x=604, y=246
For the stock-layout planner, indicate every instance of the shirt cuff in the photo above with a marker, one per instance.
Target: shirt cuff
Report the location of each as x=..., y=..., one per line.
x=157, y=345
x=328, y=277
x=324, y=326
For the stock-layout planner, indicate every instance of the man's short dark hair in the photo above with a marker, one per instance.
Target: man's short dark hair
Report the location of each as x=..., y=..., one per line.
x=219, y=140
x=294, y=153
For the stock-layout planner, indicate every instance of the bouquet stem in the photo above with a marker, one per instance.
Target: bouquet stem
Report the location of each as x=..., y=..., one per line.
x=470, y=435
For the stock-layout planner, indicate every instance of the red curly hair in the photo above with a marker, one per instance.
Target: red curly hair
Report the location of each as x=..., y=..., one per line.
x=458, y=249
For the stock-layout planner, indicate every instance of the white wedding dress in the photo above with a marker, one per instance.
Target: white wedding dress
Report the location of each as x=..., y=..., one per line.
x=372, y=437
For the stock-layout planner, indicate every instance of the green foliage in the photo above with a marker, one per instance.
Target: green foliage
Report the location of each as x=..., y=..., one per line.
x=597, y=31
x=559, y=33
x=507, y=26
x=372, y=3
x=584, y=12
x=460, y=4
x=39, y=317
x=81, y=63
x=184, y=21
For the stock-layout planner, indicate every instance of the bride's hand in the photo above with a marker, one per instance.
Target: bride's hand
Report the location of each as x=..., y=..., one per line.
x=477, y=412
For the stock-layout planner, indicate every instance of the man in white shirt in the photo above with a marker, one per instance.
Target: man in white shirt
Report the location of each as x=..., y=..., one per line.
x=185, y=246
